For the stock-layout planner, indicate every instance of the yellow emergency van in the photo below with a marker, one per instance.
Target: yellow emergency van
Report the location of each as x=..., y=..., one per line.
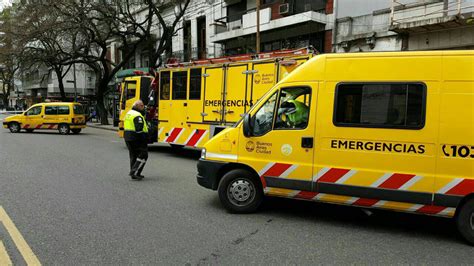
x=61, y=116
x=391, y=130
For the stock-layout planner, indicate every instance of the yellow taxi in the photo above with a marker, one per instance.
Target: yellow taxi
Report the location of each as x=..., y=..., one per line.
x=61, y=116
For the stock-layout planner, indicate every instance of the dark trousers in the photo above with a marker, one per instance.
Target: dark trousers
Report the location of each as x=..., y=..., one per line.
x=138, y=151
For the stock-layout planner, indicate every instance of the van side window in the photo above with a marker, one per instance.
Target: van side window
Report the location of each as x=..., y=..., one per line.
x=382, y=105
x=165, y=85
x=195, y=84
x=50, y=110
x=263, y=120
x=34, y=111
x=63, y=110
x=180, y=82
x=293, y=108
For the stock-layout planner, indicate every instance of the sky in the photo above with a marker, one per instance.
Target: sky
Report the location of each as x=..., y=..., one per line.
x=4, y=3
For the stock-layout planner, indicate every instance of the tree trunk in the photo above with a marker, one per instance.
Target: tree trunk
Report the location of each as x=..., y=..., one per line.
x=5, y=97
x=59, y=74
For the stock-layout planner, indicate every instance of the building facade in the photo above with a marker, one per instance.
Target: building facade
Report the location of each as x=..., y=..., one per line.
x=405, y=25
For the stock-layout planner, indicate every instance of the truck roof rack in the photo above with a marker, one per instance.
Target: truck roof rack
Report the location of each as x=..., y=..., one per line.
x=244, y=57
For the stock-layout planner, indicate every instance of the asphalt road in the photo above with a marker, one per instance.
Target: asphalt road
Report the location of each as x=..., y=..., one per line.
x=72, y=201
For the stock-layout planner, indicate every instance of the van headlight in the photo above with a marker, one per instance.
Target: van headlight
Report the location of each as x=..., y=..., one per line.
x=203, y=153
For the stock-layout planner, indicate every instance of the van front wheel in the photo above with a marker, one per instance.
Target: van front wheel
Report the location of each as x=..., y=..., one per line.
x=76, y=130
x=240, y=192
x=63, y=129
x=465, y=221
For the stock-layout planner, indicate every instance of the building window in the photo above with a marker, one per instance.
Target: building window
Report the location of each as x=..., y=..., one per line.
x=380, y=105
x=180, y=80
x=144, y=62
x=195, y=84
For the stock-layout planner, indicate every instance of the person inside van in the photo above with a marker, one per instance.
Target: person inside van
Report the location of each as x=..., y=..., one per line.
x=294, y=114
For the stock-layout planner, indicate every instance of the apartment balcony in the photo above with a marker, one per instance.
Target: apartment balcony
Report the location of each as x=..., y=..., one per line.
x=269, y=21
x=430, y=16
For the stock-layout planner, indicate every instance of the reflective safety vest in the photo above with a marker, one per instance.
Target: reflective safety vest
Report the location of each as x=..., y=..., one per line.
x=129, y=125
x=301, y=113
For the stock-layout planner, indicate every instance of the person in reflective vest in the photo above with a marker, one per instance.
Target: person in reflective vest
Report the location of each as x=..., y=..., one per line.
x=136, y=139
x=297, y=113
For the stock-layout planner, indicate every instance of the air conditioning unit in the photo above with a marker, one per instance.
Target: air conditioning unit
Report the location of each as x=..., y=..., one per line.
x=284, y=9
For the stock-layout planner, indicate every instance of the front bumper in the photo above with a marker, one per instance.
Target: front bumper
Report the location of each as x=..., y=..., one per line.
x=5, y=124
x=208, y=173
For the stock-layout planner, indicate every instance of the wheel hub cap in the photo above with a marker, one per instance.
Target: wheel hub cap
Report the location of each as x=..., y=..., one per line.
x=241, y=191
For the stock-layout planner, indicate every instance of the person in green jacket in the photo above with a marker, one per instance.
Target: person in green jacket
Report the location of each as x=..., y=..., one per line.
x=296, y=113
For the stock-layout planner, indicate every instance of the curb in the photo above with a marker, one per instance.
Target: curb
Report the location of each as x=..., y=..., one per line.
x=102, y=127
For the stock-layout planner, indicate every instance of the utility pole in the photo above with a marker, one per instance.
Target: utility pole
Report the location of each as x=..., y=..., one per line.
x=75, y=86
x=258, y=26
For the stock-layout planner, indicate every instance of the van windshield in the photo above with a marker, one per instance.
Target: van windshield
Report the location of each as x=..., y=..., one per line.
x=78, y=110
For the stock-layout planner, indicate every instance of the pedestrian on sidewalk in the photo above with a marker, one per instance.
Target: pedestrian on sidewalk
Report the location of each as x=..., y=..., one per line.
x=136, y=139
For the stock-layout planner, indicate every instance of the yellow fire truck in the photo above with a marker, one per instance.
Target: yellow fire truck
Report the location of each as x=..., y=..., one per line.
x=198, y=99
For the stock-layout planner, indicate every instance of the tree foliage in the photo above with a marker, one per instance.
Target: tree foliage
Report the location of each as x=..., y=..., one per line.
x=57, y=34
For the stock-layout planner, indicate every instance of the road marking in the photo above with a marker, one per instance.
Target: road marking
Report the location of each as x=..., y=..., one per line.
x=25, y=250
x=4, y=258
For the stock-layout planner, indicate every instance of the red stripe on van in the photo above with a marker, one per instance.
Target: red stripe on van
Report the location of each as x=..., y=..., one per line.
x=465, y=187
x=38, y=126
x=277, y=169
x=51, y=126
x=305, y=195
x=174, y=134
x=26, y=126
x=365, y=202
x=430, y=209
x=194, y=139
x=396, y=181
x=333, y=175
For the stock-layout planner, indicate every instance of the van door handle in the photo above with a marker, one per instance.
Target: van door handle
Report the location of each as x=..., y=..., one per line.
x=307, y=142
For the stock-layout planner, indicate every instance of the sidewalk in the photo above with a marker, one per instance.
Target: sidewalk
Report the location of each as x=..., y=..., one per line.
x=110, y=126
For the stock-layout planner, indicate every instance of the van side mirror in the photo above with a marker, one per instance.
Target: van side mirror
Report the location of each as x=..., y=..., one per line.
x=247, y=125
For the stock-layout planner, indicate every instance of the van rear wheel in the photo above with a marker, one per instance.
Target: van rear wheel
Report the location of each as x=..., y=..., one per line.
x=240, y=192
x=14, y=127
x=63, y=129
x=465, y=221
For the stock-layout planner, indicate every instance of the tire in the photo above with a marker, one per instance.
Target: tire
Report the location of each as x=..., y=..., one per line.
x=29, y=130
x=240, y=192
x=465, y=221
x=76, y=130
x=63, y=129
x=14, y=127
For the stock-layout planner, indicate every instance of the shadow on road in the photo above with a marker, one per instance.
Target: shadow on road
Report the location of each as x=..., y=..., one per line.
x=434, y=228
x=46, y=132
x=353, y=218
x=176, y=152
